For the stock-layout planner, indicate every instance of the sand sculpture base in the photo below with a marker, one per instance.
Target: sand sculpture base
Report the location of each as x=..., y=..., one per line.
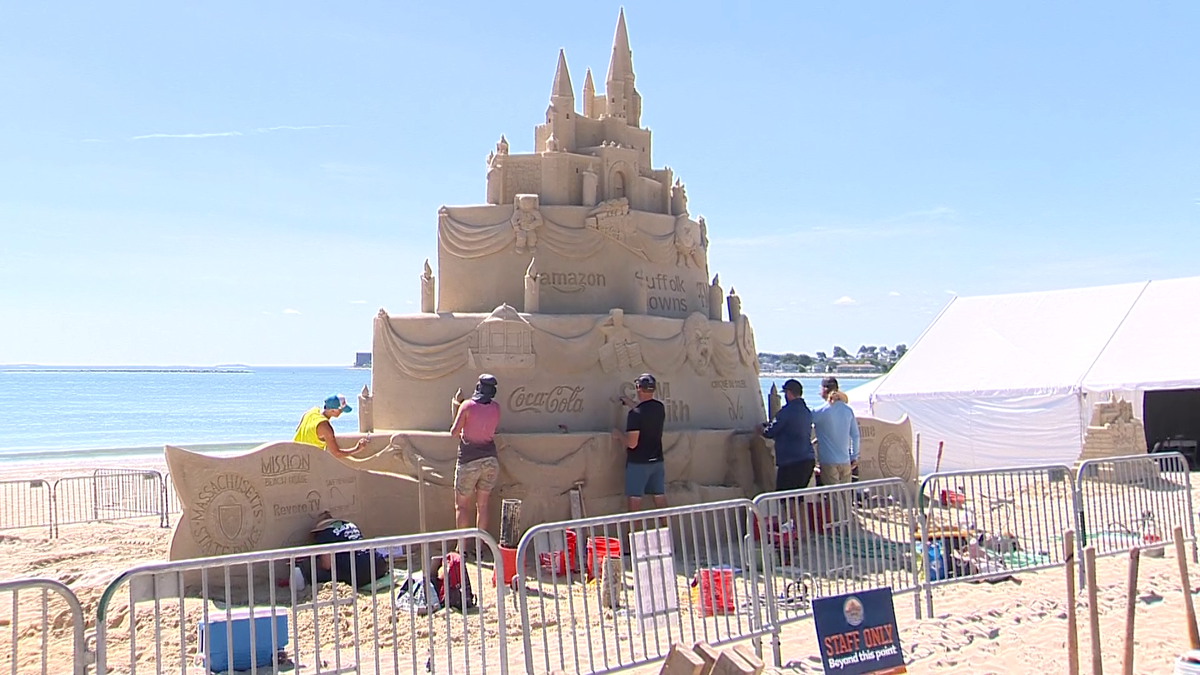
x=269, y=497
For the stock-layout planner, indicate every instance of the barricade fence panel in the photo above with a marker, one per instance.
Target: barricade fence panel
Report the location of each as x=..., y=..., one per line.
x=839, y=539
x=108, y=494
x=26, y=503
x=990, y=524
x=171, y=503
x=378, y=605
x=603, y=594
x=43, y=628
x=1125, y=502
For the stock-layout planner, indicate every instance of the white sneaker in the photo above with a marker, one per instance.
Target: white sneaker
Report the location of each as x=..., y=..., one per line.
x=298, y=579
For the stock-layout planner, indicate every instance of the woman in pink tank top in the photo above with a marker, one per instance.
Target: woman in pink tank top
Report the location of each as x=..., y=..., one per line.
x=478, y=467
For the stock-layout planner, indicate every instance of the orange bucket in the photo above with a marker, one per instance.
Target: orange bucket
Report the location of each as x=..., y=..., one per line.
x=509, y=558
x=599, y=548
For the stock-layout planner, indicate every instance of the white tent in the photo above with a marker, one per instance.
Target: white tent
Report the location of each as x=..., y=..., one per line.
x=1008, y=380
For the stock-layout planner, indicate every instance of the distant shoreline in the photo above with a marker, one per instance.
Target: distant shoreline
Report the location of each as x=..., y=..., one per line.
x=818, y=376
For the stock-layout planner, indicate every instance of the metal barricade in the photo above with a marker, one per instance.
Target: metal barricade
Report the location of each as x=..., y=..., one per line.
x=374, y=608
x=978, y=525
x=108, y=494
x=694, y=572
x=171, y=503
x=838, y=539
x=33, y=619
x=26, y=503
x=1135, y=501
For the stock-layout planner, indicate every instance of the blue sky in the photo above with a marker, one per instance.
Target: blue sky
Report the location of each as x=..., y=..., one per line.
x=251, y=182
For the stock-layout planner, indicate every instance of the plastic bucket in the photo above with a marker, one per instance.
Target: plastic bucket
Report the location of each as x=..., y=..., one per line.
x=509, y=556
x=555, y=562
x=599, y=548
x=715, y=592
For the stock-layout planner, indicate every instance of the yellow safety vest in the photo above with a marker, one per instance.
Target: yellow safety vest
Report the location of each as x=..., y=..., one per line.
x=307, y=431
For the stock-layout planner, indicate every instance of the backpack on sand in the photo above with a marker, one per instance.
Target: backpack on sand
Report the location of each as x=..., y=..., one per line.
x=454, y=584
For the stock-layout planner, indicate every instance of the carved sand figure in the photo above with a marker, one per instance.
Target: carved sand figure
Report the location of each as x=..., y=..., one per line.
x=525, y=222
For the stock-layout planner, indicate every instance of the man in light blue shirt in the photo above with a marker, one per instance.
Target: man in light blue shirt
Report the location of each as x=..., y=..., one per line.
x=837, y=435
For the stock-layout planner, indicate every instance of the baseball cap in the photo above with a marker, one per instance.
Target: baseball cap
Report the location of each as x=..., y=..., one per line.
x=794, y=386
x=337, y=402
x=646, y=382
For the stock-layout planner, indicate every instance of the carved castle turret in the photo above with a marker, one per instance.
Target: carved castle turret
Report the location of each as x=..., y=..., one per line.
x=583, y=159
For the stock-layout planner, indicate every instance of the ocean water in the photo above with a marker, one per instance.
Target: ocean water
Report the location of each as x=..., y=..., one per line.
x=71, y=414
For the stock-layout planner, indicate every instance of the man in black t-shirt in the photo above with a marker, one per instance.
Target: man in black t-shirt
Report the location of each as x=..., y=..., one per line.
x=351, y=566
x=642, y=440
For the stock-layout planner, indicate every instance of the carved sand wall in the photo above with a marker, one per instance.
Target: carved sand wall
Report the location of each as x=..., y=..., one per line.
x=269, y=497
x=886, y=450
x=564, y=369
x=589, y=259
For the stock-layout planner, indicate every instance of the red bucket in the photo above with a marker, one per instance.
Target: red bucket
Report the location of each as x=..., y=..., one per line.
x=952, y=498
x=599, y=548
x=509, y=556
x=556, y=562
x=715, y=595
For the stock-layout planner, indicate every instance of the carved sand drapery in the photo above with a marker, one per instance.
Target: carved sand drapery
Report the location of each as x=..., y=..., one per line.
x=467, y=241
x=422, y=362
x=473, y=241
x=695, y=345
x=568, y=354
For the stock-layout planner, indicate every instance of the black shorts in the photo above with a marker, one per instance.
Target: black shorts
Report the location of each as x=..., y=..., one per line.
x=794, y=476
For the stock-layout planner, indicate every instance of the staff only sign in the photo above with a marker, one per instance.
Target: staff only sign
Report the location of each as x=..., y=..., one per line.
x=858, y=635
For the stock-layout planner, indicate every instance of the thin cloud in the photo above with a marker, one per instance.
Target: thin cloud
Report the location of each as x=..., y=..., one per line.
x=217, y=134
x=225, y=134
x=845, y=301
x=949, y=292
x=291, y=311
x=893, y=294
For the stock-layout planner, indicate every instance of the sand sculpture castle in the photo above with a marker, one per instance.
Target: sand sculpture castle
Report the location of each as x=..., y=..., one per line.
x=583, y=268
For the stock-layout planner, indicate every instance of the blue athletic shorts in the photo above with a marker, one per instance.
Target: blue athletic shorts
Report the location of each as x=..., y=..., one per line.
x=645, y=479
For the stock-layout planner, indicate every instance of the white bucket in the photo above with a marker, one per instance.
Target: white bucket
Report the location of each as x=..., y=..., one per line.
x=1188, y=663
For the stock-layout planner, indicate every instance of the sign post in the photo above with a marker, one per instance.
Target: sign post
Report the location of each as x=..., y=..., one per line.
x=858, y=635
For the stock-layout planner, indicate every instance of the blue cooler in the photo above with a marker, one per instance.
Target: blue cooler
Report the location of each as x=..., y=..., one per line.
x=221, y=626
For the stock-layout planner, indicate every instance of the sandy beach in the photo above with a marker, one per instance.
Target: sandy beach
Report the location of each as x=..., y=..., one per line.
x=1009, y=627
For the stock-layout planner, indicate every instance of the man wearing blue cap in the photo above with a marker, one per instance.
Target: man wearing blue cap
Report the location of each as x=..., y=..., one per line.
x=315, y=428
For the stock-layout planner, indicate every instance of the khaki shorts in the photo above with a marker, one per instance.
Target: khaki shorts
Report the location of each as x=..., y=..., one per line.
x=479, y=475
x=835, y=474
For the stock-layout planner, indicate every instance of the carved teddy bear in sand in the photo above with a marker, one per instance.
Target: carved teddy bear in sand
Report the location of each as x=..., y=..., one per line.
x=526, y=219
